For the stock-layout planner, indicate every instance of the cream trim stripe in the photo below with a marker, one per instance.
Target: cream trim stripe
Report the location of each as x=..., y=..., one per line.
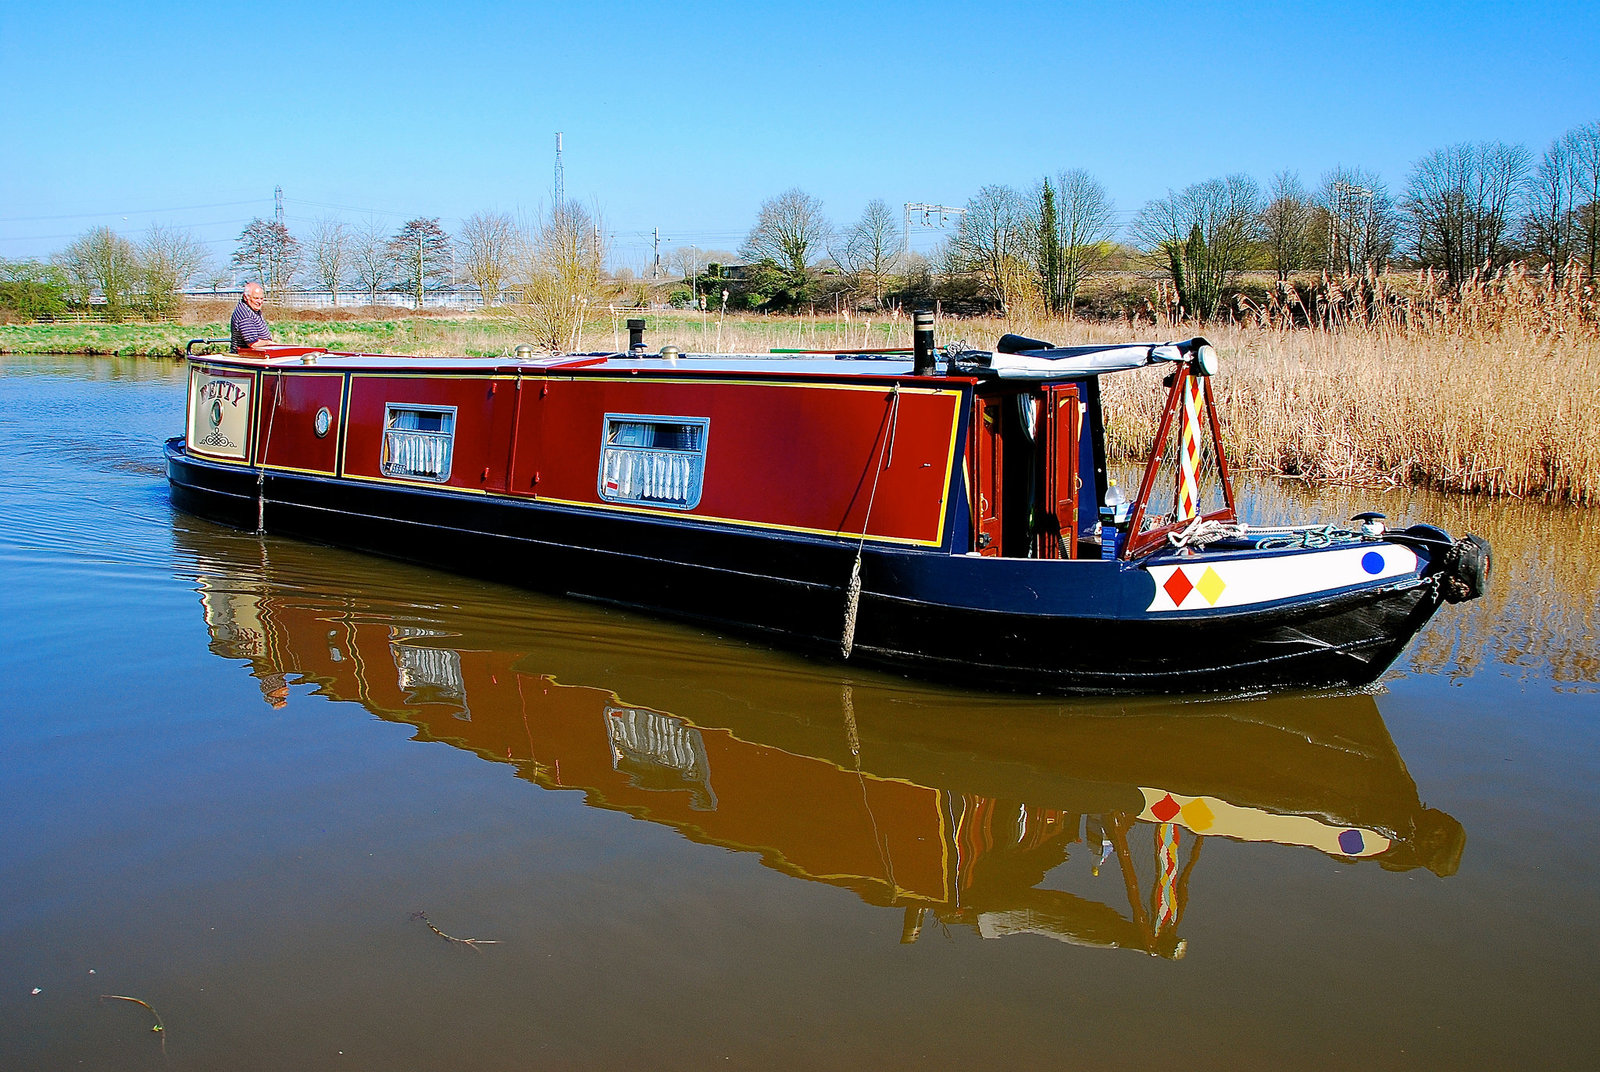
x=1201, y=584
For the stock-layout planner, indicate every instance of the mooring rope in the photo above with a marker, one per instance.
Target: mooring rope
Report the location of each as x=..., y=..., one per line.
x=1310, y=536
x=1199, y=532
x=852, y=589
x=266, y=445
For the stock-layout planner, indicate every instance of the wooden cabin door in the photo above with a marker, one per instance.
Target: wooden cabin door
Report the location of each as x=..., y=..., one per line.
x=988, y=468
x=1062, y=420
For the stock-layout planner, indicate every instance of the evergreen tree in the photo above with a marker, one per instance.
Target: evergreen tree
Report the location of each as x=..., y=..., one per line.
x=1050, y=278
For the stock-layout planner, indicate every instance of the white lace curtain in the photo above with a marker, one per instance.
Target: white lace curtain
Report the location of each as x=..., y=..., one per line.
x=419, y=442
x=652, y=475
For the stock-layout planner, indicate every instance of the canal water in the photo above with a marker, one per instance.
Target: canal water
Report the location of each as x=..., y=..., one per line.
x=316, y=810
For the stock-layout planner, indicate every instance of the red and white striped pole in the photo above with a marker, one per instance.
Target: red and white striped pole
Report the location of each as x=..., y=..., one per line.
x=1189, y=450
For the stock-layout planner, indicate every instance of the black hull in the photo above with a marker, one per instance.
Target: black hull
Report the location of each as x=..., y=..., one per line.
x=791, y=590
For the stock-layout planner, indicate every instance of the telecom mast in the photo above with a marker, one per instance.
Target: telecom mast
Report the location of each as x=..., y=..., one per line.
x=277, y=205
x=561, y=177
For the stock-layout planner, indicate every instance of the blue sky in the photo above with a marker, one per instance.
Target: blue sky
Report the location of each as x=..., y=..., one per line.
x=684, y=117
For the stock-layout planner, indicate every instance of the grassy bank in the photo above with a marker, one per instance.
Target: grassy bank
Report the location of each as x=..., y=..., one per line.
x=1493, y=395
x=396, y=335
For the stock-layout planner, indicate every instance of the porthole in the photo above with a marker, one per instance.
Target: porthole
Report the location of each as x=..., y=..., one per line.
x=322, y=422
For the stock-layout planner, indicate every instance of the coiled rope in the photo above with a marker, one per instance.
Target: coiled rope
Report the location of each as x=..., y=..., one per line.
x=852, y=588
x=1199, y=533
x=1312, y=537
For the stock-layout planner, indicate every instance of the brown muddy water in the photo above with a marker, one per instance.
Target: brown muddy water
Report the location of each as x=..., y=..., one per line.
x=249, y=782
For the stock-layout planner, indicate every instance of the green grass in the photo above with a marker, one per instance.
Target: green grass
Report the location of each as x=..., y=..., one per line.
x=124, y=340
x=168, y=340
x=473, y=336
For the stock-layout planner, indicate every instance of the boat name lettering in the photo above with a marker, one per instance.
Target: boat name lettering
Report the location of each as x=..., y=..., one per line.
x=227, y=390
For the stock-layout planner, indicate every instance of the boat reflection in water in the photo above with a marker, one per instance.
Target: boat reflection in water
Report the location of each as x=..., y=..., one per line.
x=956, y=808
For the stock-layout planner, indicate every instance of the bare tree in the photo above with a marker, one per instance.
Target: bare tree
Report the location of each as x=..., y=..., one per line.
x=1204, y=236
x=217, y=278
x=100, y=260
x=1585, y=145
x=1286, y=225
x=789, y=231
x=1459, y=204
x=269, y=253
x=488, y=246
x=332, y=249
x=871, y=249
x=1086, y=219
x=1547, y=229
x=369, y=258
x=917, y=282
x=689, y=263
x=421, y=256
x=170, y=258
x=995, y=243
x=564, y=268
x=685, y=261
x=1356, y=221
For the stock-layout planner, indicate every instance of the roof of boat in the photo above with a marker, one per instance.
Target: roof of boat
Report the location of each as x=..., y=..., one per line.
x=1036, y=365
x=811, y=364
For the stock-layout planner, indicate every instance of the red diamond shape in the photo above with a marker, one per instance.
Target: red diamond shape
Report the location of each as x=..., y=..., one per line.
x=1178, y=587
x=1165, y=808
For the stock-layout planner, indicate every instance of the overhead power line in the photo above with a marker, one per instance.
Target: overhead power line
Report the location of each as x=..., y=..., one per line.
x=236, y=222
x=345, y=208
x=124, y=212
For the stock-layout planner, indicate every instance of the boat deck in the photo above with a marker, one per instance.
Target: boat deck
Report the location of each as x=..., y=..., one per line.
x=864, y=365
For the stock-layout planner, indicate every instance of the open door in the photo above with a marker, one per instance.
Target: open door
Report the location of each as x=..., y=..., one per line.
x=987, y=460
x=1024, y=458
x=1062, y=417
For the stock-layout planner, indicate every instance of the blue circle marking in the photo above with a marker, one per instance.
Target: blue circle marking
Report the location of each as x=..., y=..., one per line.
x=1351, y=843
x=1372, y=562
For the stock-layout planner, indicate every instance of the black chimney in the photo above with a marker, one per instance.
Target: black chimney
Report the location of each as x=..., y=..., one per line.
x=922, y=342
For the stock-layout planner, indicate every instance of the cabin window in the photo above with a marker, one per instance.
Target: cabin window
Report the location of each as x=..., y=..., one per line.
x=418, y=441
x=660, y=461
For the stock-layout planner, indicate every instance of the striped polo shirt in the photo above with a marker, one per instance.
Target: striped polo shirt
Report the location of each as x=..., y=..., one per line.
x=248, y=327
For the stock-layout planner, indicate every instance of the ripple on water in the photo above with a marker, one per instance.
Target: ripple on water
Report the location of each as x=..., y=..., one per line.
x=209, y=738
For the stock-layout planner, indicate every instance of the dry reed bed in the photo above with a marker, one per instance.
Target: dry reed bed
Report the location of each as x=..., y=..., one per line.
x=1492, y=390
x=1502, y=415
x=1508, y=409
x=1370, y=380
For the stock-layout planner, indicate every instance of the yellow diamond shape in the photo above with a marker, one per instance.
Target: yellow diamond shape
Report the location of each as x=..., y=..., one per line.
x=1197, y=816
x=1210, y=585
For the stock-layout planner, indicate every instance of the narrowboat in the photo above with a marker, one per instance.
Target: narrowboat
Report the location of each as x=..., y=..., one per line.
x=945, y=807
x=949, y=514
